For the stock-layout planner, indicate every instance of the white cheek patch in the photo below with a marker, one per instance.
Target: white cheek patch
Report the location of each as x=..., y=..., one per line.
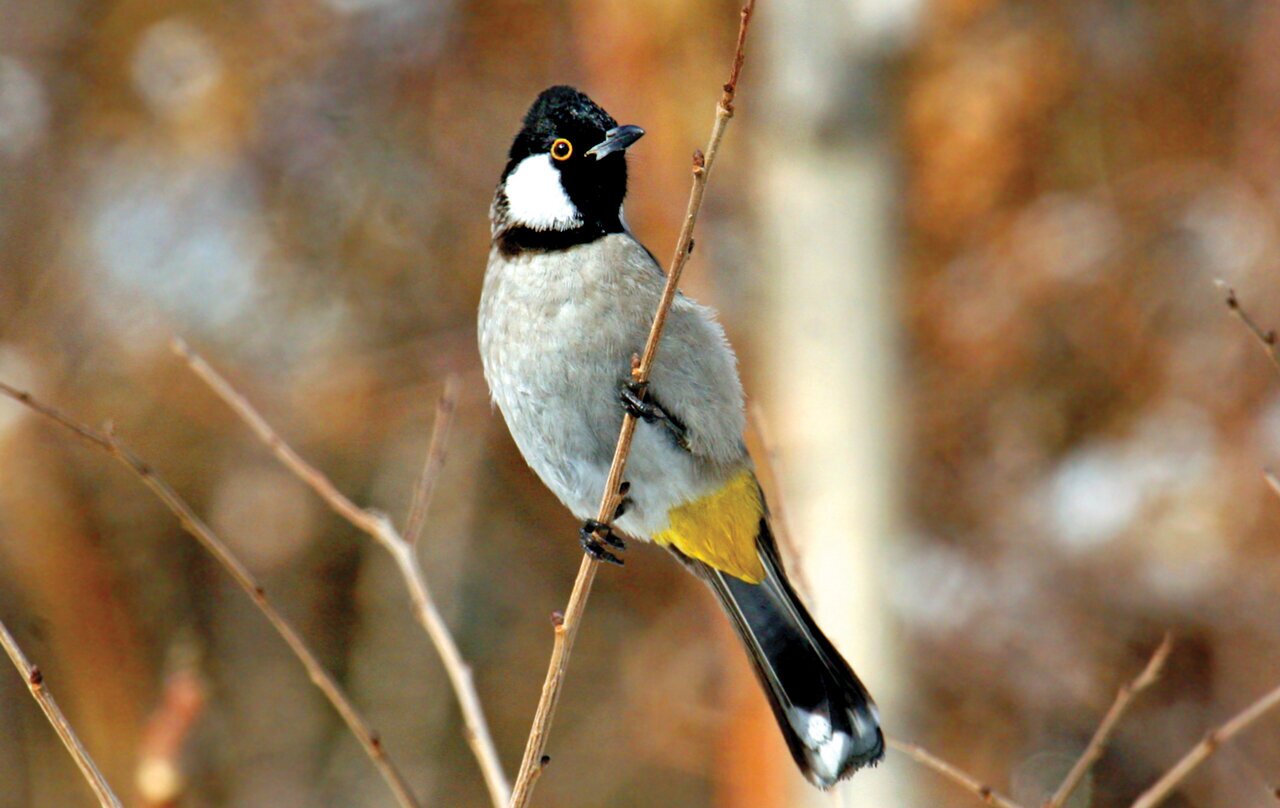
x=536, y=199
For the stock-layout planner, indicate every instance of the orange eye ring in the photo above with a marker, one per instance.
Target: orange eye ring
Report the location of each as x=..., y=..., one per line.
x=561, y=149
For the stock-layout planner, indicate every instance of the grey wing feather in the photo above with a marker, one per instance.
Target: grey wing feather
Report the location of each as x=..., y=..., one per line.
x=696, y=379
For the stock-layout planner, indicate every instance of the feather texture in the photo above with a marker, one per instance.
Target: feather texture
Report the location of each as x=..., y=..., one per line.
x=828, y=719
x=720, y=529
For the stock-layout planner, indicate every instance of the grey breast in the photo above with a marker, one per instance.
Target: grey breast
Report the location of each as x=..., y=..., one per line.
x=557, y=334
x=557, y=331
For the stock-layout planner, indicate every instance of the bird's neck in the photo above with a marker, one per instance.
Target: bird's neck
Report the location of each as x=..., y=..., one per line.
x=517, y=239
x=513, y=237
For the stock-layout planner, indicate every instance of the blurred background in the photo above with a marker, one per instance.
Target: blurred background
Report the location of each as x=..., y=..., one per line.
x=967, y=250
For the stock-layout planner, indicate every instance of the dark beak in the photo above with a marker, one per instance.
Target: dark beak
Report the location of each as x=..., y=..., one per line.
x=615, y=140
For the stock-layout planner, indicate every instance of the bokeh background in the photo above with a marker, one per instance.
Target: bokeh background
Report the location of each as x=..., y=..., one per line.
x=969, y=253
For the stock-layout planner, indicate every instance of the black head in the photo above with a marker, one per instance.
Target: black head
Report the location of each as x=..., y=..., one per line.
x=567, y=169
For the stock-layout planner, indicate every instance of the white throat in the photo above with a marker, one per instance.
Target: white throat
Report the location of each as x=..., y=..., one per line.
x=536, y=199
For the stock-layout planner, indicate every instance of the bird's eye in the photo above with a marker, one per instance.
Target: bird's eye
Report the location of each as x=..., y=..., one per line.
x=561, y=149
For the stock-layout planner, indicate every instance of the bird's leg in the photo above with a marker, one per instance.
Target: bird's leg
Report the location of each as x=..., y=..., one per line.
x=640, y=403
x=593, y=532
x=604, y=533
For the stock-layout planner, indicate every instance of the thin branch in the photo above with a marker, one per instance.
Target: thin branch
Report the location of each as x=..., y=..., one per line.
x=1266, y=338
x=40, y=692
x=1201, y=752
x=1124, y=698
x=160, y=778
x=379, y=527
x=535, y=759
x=244, y=579
x=956, y=775
x=780, y=517
x=437, y=449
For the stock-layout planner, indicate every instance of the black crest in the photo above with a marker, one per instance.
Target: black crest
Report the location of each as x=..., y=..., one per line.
x=565, y=112
x=595, y=186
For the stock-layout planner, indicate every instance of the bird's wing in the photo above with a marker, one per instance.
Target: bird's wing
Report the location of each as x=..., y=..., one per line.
x=695, y=379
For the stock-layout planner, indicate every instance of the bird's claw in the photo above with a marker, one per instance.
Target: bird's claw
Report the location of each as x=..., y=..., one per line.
x=635, y=400
x=638, y=403
x=594, y=535
x=604, y=533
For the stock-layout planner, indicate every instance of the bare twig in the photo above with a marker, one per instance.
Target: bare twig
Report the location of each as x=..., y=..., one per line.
x=958, y=776
x=244, y=579
x=779, y=519
x=379, y=527
x=534, y=758
x=431, y=467
x=35, y=683
x=1124, y=698
x=1199, y=753
x=159, y=777
x=1266, y=337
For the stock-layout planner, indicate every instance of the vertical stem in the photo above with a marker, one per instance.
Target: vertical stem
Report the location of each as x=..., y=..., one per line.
x=567, y=629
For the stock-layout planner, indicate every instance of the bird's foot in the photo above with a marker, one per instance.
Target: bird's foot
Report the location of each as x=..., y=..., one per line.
x=594, y=535
x=604, y=533
x=637, y=402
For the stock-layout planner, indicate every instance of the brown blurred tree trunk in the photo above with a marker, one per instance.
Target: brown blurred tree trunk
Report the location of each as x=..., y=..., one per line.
x=827, y=190
x=66, y=583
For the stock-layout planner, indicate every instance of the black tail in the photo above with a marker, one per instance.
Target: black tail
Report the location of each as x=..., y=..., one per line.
x=829, y=720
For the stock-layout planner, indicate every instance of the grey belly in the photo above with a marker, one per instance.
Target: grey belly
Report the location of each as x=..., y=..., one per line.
x=556, y=381
x=566, y=422
x=557, y=338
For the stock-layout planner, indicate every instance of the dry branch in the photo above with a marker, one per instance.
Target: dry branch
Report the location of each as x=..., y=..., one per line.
x=168, y=729
x=1266, y=338
x=244, y=579
x=534, y=759
x=436, y=450
x=40, y=692
x=1099, y=741
x=379, y=527
x=780, y=521
x=956, y=775
x=1164, y=787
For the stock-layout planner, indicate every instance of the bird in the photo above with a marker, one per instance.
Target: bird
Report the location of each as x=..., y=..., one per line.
x=568, y=298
